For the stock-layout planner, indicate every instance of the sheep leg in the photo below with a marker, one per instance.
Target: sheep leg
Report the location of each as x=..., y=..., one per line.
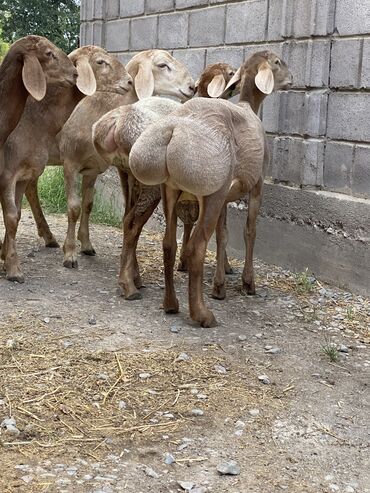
x=218, y=290
x=88, y=191
x=254, y=203
x=182, y=265
x=129, y=276
x=11, y=203
x=210, y=210
x=74, y=209
x=41, y=223
x=169, y=199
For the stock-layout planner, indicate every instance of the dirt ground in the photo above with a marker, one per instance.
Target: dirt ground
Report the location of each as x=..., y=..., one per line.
x=115, y=396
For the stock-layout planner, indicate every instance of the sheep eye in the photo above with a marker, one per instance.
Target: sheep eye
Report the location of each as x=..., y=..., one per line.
x=50, y=54
x=231, y=74
x=277, y=62
x=100, y=61
x=164, y=65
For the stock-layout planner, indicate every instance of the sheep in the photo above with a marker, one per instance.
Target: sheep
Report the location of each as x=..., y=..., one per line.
x=26, y=149
x=113, y=136
x=216, y=151
x=103, y=72
x=154, y=72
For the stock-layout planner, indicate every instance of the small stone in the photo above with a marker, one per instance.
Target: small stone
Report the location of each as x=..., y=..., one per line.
x=273, y=350
x=168, y=415
x=102, y=376
x=264, y=379
x=11, y=344
x=258, y=336
x=27, y=479
x=333, y=487
x=239, y=424
x=349, y=489
x=175, y=329
x=67, y=344
x=8, y=422
x=254, y=412
x=12, y=430
x=122, y=405
x=46, y=320
x=92, y=320
x=144, y=376
x=220, y=369
x=186, y=485
x=342, y=348
x=242, y=337
x=151, y=472
x=183, y=357
x=197, y=412
x=169, y=459
x=202, y=397
x=182, y=446
x=229, y=468
x=2, y=402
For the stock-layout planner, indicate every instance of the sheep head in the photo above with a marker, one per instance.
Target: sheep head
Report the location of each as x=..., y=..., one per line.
x=157, y=73
x=213, y=81
x=263, y=71
x=42, y=63
x=98, y=70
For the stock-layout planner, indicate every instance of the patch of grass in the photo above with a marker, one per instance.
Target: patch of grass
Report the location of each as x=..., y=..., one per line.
x=304, y=282
x=53, y=198
x=331, y=351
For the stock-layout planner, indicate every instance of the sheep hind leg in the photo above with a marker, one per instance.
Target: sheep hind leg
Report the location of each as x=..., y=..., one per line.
x=83, y=235
x=140, y=212
x=41, y=223
x=210, y=210
x=254, y=203
x=182, y=266
x=169, y=199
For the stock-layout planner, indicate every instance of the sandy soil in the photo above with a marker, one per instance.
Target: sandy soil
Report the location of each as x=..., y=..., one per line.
x=100, y=395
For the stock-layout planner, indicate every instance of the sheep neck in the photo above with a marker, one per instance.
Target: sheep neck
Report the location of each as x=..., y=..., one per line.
x=249, y=93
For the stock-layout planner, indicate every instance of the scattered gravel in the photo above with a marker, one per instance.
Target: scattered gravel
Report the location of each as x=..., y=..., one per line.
x=229, y=468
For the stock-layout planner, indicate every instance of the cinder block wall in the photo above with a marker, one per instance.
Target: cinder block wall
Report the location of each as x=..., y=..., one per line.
x=319, y=131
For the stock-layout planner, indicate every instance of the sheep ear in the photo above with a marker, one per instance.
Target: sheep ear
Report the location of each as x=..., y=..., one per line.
x=33, y=77
x=264, y=79
x=86, y=81
x=217, y=86
x=234, y=79
x=144, y=80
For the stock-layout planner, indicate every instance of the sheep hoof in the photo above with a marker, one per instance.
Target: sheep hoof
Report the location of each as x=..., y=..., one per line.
x=171, y=307
x=134, y=296
x=52, y=244
x=229, y=270
x=208, y=321
x=90, y=252
x=16, y=278
x=249, y=288
x=70, y=264
x=182, y=266
x=219, y=292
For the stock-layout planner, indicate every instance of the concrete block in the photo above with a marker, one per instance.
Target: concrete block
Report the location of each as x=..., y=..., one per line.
x=87, y=12
x=154, y=6
x=117, y=35
x=365, y=71
x=143, y=33
x=99, y=6
x=98, y=33
x=232, y=56
x=249, y=50
x=125, y=57
x=185, y=4
x=173, y=31
x=298, y=161
x=113, y=9
x=338, y=166
x=246, y=21
x=309, y=62
x=206, y=26
x=348, y=116
x=345, y=63
x=292, y=112
x=193, y=59
x=130, y=8
x=352, y=17
x=361, y=172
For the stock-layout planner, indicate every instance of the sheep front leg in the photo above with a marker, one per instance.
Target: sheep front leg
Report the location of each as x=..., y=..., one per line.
x=129, y=276
x=210, y=210
x=254, y=203
x=218, y=290
x=169, y=199
x=41, y=223
x=11, y=199
x=88, y=191
x=74, y=209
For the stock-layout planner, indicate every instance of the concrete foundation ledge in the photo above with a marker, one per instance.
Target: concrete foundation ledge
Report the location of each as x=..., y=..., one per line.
x=327, y=233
